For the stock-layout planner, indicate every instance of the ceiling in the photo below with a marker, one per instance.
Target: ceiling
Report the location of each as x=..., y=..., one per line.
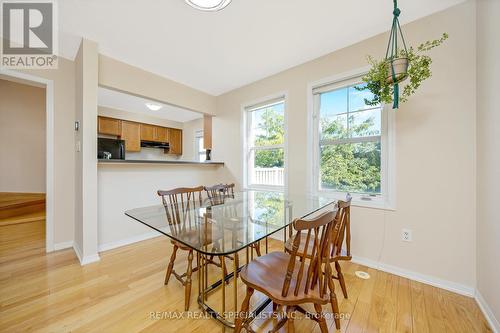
x=219, y=51
x=121, y=101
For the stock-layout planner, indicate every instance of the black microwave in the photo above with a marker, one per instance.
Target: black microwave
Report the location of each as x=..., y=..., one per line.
x=110, y=149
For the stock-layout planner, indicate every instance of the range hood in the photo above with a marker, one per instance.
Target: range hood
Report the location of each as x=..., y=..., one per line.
x=154, y=144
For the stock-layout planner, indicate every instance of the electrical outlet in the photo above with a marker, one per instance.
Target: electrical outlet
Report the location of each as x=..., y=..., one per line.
x=406, y=235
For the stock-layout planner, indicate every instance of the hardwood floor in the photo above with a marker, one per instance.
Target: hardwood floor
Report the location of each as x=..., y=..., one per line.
x=124, y=292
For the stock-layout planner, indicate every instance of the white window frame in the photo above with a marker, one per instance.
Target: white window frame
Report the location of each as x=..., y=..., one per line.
x=198, y=134
x=246, y=108
x=386, y=200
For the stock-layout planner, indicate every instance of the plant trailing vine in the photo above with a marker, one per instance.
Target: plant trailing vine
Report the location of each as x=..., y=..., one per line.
x=418, y=71
x=384, y=76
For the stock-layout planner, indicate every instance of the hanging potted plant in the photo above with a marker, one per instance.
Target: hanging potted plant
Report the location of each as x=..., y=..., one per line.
x=384, y=76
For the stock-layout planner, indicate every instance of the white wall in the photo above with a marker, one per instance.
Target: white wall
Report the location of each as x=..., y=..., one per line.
x=123, y=187
x=22, y=137
x=435, y=151
x=488, y=157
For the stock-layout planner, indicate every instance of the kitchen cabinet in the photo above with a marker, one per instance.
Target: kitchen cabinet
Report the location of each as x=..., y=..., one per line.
x=148, y=132
x=153, y=133
x=109, y=126
x=161, y=134
x=131, y=133
x=175, y=141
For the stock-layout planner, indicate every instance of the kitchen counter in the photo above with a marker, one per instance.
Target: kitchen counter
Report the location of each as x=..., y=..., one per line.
x=105, y=161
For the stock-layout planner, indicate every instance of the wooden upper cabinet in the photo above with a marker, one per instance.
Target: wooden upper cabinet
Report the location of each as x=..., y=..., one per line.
x=175, y=141
x=153, y=133
x=148, y=132
x=131, y=133
x=161, y=134
x=109, y=126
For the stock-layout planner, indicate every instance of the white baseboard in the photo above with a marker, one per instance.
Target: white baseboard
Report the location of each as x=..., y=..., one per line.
x=63, y=245
x=427, y=279
x=87, y=259
x=488, y=313
x=128, y=241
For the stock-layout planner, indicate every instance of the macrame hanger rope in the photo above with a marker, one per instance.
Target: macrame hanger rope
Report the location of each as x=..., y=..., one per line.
x=393, y=46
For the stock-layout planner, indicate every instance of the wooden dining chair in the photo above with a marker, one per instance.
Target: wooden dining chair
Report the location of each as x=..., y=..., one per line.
x=177, y=203
x=292, y=279
x=343, y=233
x=218, y=193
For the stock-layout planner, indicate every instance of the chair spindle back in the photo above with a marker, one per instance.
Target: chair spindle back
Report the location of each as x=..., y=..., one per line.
x=178, y=201
x=342, y=228
x=319, y=233
x=218, y=193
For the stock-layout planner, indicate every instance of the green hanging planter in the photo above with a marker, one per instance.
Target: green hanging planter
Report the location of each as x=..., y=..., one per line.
x=384, y=78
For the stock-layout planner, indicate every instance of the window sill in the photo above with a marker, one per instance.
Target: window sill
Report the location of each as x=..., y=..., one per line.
x=372, y=204
x=357, y=201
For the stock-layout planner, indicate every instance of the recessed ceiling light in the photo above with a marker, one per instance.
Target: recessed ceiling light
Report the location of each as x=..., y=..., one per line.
x=153, y=106
x=208, y=5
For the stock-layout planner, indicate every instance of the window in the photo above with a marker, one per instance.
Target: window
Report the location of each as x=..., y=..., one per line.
x=265, y=144
x=351, y=146
x=201, y=154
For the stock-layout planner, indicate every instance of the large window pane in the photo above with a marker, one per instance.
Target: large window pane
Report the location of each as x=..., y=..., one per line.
x=333, y=102
x=267, y=126
x=365, y=123
x=357, y=98
x=333, y=127
x=267, y=167
x=352, y=167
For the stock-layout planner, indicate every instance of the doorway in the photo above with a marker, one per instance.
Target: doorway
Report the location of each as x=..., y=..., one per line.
x=25, y=228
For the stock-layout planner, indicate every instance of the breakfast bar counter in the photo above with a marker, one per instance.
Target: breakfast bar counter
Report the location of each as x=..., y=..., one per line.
x=115, y=161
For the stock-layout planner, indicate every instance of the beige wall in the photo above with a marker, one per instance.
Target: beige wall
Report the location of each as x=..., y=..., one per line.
x=188, y=142
x=435, y=151
x=488, y=157
x=120, y=76
x=86, y=81
x=22, y=137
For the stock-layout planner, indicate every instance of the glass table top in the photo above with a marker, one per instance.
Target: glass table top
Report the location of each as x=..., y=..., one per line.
x=232, y=225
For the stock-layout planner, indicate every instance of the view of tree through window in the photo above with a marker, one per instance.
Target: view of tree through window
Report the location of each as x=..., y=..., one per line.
x=266, y=144
x=350, y=148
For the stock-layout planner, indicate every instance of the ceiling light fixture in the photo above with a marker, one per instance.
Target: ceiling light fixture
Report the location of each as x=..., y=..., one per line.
x=153, y=106
x=208, y=5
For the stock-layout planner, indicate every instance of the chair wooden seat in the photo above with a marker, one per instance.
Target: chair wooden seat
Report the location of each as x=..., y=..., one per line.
x=265, y=274
x=289, y=281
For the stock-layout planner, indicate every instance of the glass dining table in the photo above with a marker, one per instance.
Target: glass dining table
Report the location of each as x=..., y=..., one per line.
x=223, y=228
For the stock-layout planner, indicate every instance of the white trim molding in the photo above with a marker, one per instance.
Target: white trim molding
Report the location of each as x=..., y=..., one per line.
x=85, y=260
x=488, y=313
x=128, y=241
x=49, y=147
x=63, y=245
x=426, y=279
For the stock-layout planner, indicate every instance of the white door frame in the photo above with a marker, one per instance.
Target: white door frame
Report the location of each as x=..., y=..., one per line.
x=49, y=146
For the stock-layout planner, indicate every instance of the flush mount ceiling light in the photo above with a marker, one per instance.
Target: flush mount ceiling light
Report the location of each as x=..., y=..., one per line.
x=208, y=5
x=153, y=107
